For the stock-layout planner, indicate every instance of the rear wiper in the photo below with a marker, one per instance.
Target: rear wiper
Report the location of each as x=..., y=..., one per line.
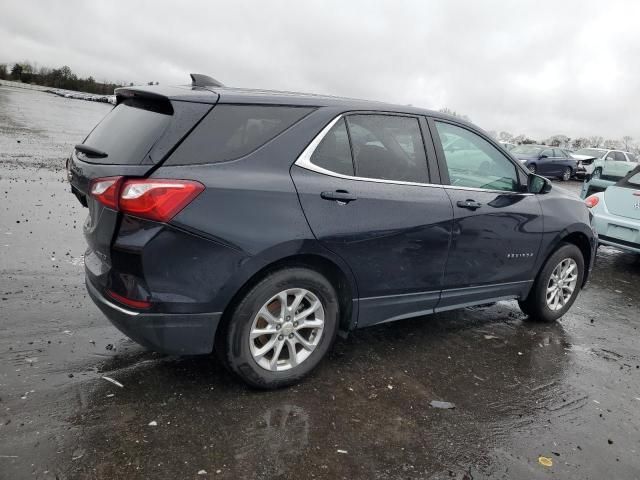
x=90, y=151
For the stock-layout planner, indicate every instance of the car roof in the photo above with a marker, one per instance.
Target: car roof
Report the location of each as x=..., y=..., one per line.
x=273, y=97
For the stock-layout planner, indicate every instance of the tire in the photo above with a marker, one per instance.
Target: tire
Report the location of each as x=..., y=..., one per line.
x=533, y=168
x=242, y=353
x=566, y=174
x=536, y=305
x=597, y=173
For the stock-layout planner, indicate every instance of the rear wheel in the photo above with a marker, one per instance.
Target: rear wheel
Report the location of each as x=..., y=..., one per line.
x=281, y=329
x=566, y=174
x=557, y=285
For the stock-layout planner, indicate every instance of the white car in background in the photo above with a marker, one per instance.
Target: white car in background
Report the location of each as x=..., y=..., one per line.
x=591, y=160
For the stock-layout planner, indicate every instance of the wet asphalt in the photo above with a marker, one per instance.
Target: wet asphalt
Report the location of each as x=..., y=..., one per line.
x=569, y=392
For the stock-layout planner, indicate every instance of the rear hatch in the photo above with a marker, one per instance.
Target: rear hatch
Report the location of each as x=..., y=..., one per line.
x=132, y=140
x=623, y=198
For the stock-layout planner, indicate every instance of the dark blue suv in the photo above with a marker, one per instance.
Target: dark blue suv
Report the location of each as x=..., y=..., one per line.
x=259, y=224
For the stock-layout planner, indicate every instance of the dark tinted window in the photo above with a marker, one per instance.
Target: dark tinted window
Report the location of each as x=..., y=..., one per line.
x=334, y=152
x=479, y=164
x=619, y=156
x=233, y=131
x=128, y=132
x=388, y=147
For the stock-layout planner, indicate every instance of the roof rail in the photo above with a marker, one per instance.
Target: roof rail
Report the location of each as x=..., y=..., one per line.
x=199, y=80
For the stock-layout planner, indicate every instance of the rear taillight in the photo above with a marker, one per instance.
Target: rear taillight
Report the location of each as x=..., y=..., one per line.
x=591, y=201
x=150, y=198
x=106, y=191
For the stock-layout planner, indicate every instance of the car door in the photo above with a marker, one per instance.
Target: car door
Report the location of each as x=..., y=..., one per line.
x=497, y=227
x=545, y=163
x=364, y=186
x=559, y=161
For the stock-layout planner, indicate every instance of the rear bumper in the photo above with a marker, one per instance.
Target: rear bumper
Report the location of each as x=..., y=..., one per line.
x=608, y=227
x=184, y=334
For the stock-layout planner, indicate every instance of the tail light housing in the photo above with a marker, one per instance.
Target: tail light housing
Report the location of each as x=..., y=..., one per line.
x=150, y=198
x=592, y=201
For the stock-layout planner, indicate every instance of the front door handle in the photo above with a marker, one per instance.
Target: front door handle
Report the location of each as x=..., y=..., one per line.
x=470, y=204
x=340, y=196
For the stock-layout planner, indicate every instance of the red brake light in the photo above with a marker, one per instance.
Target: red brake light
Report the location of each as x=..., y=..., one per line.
x=591, y=201
x=157, y=199
x=106, y=191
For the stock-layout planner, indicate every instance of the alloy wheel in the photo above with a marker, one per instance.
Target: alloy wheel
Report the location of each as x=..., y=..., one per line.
x=566, y=175
x=287, y=329
x=562, y=284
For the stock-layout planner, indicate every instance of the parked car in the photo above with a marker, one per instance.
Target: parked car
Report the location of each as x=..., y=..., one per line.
x=616, y=213
x=546, y=161
x=260, y=223
x=607, y=175
x=591, y=161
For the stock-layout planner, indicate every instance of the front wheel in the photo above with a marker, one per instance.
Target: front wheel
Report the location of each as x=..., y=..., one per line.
x=281, y=329
x=557, y=285
x=597, y=173
x=566, y=174
x=533, y=168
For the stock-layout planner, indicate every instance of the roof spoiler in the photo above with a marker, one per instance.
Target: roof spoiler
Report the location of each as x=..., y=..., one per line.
x=199, y=80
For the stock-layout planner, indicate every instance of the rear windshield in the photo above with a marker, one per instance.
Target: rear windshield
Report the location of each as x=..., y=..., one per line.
x=128, y=132
x=233, y=131
x=631, y=180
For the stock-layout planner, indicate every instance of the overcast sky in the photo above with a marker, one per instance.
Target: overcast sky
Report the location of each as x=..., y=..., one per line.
x=533, y=67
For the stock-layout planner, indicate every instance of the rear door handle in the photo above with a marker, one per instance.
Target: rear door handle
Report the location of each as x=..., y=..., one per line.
x=470, y=204
x=341, y=196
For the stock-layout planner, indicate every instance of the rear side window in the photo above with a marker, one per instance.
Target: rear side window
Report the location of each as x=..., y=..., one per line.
x=388, y=147
x=128, y=132
x=233, y=131
x=334, y=152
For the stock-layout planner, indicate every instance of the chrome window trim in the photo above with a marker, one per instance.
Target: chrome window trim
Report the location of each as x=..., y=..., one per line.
x=304, y=161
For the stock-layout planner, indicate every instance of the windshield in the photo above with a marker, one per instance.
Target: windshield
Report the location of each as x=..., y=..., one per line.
x=527, y=149
x=592, y=152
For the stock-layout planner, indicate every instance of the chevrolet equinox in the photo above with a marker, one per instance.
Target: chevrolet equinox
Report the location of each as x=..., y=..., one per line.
x=259, y=224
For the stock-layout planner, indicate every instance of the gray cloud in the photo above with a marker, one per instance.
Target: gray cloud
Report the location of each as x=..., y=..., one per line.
x=533, y=67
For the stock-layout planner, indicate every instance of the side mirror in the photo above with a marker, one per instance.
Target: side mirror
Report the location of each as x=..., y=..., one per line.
x=538, y=184
x=543, y=155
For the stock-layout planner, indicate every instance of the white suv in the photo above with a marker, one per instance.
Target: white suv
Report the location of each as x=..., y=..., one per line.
x=591, y=161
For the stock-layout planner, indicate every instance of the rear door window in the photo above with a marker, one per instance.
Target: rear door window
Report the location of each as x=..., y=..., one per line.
x=233, y=131
x=559, y=153
x=334, y=152
x=128, y=132
x=388, y=147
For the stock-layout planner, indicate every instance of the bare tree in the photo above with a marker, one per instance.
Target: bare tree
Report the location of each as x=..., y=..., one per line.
x=505, y=137
x=626, y=140
x=448, y=111
x=595, y=141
